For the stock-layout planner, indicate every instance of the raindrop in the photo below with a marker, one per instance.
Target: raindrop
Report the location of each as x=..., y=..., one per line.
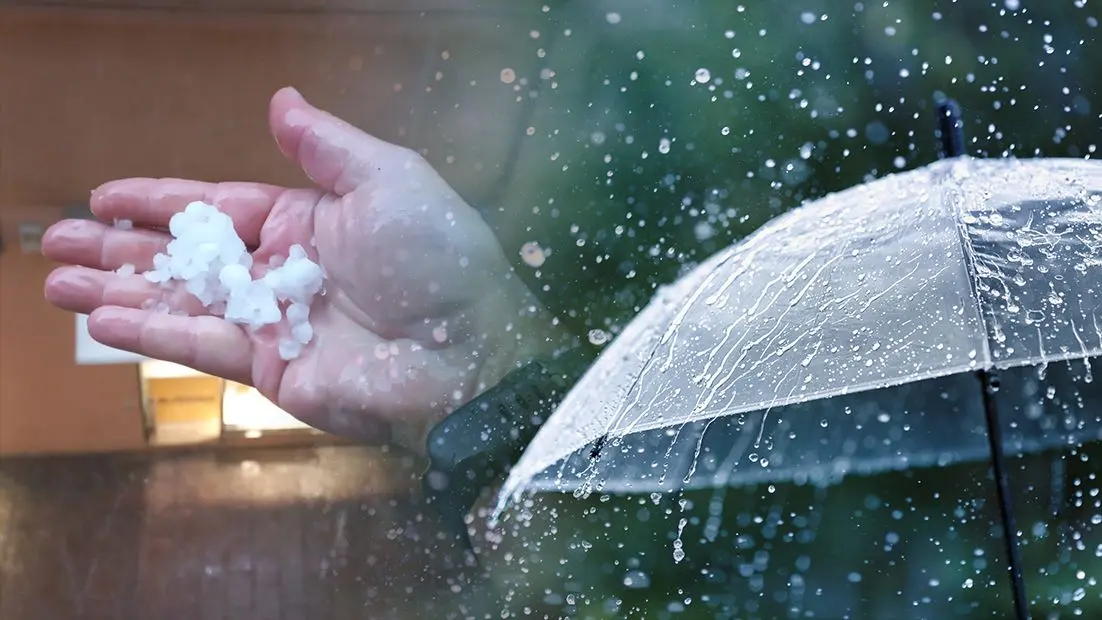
x=877, y=133
x=636, y=580
x=613, y=18
x=598, y=337
x=678, y=546
x=532, y=254
x=703, y=76
x=703, y=231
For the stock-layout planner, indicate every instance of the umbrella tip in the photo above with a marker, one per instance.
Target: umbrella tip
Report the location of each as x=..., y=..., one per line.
x=598, y=446
x=950, y=129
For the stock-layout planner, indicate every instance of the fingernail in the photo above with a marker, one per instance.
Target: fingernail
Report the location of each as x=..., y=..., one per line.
x=64, y=285
x=114, y=319
x=72, y=279
x=65, y=234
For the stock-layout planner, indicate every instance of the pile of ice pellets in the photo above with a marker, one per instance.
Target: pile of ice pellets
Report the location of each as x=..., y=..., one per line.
x=212, y=262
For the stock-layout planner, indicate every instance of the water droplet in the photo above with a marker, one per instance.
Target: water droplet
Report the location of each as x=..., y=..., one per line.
x=532, y=254
x=636, y=579
x=598, y=337
x=678, y=546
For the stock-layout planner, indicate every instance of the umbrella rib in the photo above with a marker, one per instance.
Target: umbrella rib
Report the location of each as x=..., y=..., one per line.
x=990, y=409
x=970, y=263
x=670, y=332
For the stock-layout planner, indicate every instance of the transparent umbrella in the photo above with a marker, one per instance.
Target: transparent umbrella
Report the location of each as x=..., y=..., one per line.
x=901, y=323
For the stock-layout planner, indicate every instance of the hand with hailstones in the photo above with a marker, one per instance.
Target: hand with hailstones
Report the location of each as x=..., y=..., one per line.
x=420, y=311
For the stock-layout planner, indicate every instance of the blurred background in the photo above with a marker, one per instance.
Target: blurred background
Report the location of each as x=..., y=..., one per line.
x=628, y=139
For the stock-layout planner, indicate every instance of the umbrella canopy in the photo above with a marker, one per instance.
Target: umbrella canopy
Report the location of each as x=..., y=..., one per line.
x=912, y=282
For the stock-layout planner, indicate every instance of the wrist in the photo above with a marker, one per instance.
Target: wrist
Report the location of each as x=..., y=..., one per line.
x=519, y=330
x=510, y=330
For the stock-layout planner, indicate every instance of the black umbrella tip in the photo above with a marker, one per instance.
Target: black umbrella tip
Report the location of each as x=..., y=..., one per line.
x=950, y=129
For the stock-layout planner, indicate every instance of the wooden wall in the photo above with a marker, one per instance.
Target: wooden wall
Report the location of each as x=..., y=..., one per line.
x=47, y=403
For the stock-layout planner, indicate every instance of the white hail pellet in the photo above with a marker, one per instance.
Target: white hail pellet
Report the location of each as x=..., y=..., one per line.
x=208, y=256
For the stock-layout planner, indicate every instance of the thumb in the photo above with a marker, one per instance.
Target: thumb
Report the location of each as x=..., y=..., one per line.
x=333, y=153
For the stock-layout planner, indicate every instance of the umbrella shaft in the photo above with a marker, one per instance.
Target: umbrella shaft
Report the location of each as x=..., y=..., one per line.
x=1002, y=486
x=950, y=124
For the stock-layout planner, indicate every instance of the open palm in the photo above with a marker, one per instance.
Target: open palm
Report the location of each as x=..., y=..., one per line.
x=420, y=312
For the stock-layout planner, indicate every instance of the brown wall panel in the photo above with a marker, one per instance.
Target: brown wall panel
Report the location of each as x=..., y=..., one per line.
x=48, y=404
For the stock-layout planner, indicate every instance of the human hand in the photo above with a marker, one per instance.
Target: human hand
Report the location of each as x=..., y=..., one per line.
x=421, y=311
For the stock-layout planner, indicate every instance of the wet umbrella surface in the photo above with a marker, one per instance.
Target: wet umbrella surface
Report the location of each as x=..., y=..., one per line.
x=854, y=335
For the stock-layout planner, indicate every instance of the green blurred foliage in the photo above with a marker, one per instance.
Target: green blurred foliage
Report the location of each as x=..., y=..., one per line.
x=790, y=111
x=917, y=544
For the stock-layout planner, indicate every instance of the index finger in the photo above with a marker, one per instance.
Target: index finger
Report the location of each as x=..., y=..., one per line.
x=151, y=203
